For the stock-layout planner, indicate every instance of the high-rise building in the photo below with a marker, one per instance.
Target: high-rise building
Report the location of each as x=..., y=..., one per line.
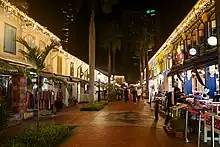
x=68, y=19
x=151, y=20
x=146, y=18
x=20, y=4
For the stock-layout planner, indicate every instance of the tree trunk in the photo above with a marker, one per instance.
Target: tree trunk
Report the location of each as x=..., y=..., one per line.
x=109, y=70
x=38, y=99
x=53, y=99
x=141, y=69
x=113, y=62
x=147, y=75
x=144, y=64
x=92, y=56
x=144, y=75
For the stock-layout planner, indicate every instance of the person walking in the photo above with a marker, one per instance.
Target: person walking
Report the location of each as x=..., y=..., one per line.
x=134, y=93
x=126, y=94
x=156, y=109
x=139, y=94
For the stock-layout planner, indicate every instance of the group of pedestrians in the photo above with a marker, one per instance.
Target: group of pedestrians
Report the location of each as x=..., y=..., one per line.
x=134, y=93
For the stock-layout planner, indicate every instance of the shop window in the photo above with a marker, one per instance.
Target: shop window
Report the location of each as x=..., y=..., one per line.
x=59, y=65
x=86, y=75
x=188, y=43
x=213, y=27
x=79, y=72
x=194, y=38
x=201, y=33
x=182, y=46
x=71, y=69
x=10, y=39
x=174, y=55
x=189, y=46
x=201, y=36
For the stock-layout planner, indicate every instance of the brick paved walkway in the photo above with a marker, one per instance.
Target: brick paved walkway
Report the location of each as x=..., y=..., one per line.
x=123, y=124
x=120, y=124
x=69, y=116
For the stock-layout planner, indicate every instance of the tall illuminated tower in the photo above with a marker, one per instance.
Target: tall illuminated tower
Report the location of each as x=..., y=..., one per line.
x=68, y=19
x=152, y=22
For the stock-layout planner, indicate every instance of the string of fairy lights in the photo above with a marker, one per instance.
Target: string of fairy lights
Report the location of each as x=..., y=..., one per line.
x=199, y=8
x=24, y=20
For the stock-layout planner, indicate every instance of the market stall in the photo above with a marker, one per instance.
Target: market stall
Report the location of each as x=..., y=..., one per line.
x=194, y=114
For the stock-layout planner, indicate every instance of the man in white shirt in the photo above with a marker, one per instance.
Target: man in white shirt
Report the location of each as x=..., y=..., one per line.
x=139, y=94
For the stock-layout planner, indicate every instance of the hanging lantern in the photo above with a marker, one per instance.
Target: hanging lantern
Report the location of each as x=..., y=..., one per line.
x=192, y=51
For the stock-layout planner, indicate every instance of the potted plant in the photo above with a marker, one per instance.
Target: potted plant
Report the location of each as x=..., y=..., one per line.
x=177, y=124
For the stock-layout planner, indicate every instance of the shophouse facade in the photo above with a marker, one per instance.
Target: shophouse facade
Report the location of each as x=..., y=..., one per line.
x=15, y=24
x=186, y=59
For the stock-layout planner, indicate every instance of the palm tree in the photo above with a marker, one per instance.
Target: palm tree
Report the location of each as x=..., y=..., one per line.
x=143, y=39
x=116, y=43
x=106, y=8
x=110, y=39
x=36, y=57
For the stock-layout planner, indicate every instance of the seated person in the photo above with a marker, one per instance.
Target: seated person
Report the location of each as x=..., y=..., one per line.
x=198, y=96
x=179, y=96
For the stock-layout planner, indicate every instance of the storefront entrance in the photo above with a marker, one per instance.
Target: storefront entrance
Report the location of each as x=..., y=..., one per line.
x=6, y=89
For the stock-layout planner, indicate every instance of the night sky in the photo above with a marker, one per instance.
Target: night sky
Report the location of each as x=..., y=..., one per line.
x=48, y=13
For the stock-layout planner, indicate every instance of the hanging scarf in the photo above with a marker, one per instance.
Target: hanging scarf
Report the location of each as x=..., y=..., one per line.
x=199, y=78
x=179, y=77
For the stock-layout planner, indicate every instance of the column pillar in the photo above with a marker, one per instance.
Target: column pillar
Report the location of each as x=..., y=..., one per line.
x=19, y=101
x=188, y=82
x=211, y=82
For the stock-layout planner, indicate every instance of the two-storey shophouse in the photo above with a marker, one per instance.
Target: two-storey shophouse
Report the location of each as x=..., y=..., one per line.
x=188, y=58
x=15, y=24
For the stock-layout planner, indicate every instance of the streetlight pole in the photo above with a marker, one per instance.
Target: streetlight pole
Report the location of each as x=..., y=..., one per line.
x=99, y=87
x=217, y=13
x=99, y=94
x=147, y=75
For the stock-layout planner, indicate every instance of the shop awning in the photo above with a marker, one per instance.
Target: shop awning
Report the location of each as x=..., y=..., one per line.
x=195, y=63
x=47, y=74
x=180, y=68
x=69, y=79
x=71, y=83
x=74, y=79
x=205, y=61
x=10, y=68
